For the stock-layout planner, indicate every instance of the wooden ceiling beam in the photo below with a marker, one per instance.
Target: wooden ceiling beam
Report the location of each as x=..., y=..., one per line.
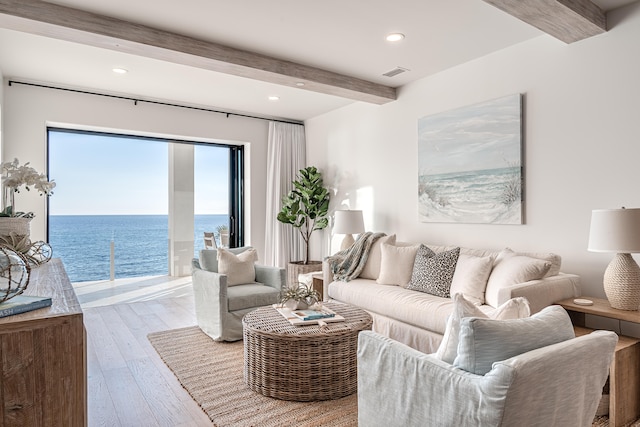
x=567, y=20
x=78, y=26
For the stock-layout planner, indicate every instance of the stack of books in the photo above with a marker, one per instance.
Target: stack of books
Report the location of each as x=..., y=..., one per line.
x=308, y=317
x=323, y=313
x=22, y=304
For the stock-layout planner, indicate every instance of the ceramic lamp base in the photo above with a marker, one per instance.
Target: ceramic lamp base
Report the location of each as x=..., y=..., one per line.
x=622, y=283
x=347, y=242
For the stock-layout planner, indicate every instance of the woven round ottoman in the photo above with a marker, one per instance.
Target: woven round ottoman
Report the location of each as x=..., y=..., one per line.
x=302, y=363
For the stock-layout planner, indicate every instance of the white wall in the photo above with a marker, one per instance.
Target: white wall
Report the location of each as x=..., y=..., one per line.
x=28, y=111
x=582, y=144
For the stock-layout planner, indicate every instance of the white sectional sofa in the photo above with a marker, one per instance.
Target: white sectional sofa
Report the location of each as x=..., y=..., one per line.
x=418, y=318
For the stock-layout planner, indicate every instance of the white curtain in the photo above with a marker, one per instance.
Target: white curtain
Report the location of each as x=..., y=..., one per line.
x=286, y=155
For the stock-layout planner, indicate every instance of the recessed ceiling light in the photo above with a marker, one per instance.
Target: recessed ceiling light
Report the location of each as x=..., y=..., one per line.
x=274, y=98
x=300, y=84
x=394, y=37
x=120, y=71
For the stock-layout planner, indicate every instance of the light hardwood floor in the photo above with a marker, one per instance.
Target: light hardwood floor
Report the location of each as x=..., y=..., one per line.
x=129, y=385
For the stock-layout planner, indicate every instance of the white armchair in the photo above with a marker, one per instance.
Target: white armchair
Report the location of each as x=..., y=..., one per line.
x=219, y=307
x=556, y=385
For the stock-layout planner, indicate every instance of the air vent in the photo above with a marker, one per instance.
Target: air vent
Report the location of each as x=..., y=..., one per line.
x=395, y=72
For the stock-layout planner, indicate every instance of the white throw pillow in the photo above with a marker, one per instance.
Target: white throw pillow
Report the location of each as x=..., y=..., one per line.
x=482, y=342
x=515, y=308
x=511, y=269
x=396, y=264
x=470, y=277
x=554, y=259
x=371, y=269
x=240, y=269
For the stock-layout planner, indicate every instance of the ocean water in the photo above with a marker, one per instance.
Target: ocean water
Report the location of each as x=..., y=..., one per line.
x=141, y=243
x=472, y=197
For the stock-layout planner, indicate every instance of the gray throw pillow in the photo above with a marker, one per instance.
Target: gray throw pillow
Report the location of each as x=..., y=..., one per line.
x=433, y=272
x=481, y=342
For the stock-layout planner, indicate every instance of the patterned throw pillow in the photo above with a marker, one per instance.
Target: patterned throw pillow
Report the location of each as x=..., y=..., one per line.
x=433, y=272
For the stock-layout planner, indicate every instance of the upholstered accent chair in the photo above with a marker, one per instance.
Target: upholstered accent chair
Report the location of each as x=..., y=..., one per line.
x=225, y=293
x=554, y=385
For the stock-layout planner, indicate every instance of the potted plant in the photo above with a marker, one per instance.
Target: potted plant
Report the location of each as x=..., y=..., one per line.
x=299, y=297
x=306, y=208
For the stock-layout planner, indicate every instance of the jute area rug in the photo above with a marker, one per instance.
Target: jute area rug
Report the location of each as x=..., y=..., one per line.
x=212, y=373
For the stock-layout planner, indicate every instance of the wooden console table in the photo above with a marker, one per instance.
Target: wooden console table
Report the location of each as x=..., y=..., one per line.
x=624, y=374
x=43, y=366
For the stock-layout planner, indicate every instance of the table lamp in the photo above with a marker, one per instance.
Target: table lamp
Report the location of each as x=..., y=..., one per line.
x=348, y=222
x=618, y=231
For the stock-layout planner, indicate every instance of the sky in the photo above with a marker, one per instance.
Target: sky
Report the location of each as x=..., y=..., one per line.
x=107, y=175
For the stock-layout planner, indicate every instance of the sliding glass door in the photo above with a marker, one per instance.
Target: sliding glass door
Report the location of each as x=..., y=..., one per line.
x=110, y=212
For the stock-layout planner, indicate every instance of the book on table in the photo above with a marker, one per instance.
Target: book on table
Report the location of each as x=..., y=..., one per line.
x=299, y=321
x=323, y=313
x=22, y=304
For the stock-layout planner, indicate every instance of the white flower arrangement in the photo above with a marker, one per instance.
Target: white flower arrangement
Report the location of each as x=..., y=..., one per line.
x=14, y=177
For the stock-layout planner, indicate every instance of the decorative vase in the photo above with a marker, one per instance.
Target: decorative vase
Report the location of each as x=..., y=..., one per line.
x=293, y=304
x=17, y=225
x=14, y=273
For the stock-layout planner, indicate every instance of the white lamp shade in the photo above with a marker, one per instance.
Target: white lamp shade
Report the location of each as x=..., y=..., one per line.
x=615, y=230
x=348, y=222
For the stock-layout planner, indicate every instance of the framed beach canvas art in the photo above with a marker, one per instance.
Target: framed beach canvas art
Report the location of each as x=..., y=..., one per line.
x=470, y=164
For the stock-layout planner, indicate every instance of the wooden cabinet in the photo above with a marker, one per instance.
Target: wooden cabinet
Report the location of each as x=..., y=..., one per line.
x=624, y=374
x=43, y=370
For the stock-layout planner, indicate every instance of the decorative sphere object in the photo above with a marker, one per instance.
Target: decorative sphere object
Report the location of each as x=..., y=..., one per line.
x=14, y=273
x=39, y=253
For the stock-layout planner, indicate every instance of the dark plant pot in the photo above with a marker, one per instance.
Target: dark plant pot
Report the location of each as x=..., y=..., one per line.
x=295, y=268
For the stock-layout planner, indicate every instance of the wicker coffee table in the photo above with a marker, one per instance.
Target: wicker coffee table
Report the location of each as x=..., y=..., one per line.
x=302, y=363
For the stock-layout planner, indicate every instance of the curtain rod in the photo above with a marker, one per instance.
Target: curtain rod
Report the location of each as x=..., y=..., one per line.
x=136, y=100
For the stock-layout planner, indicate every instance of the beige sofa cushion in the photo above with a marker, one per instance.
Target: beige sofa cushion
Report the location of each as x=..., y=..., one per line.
x=240, y=269
x=470, y=277
x=554, y=259
x=511, y=269
x=371, y=269
x=415, y=308
x=396, y=264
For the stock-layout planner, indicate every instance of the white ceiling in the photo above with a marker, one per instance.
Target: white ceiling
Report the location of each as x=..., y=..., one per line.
x=345, y=37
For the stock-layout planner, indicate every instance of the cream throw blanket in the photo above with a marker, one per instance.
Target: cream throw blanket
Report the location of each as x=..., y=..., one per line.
x=347, y=264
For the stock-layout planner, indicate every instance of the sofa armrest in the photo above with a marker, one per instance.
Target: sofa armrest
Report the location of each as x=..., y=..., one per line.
x=210, y=292
x=555, y=377
x=271, y=276
x=544, y=292
x=400, y=386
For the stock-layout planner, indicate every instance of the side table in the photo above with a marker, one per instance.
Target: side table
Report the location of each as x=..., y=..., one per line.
x=624, y=374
